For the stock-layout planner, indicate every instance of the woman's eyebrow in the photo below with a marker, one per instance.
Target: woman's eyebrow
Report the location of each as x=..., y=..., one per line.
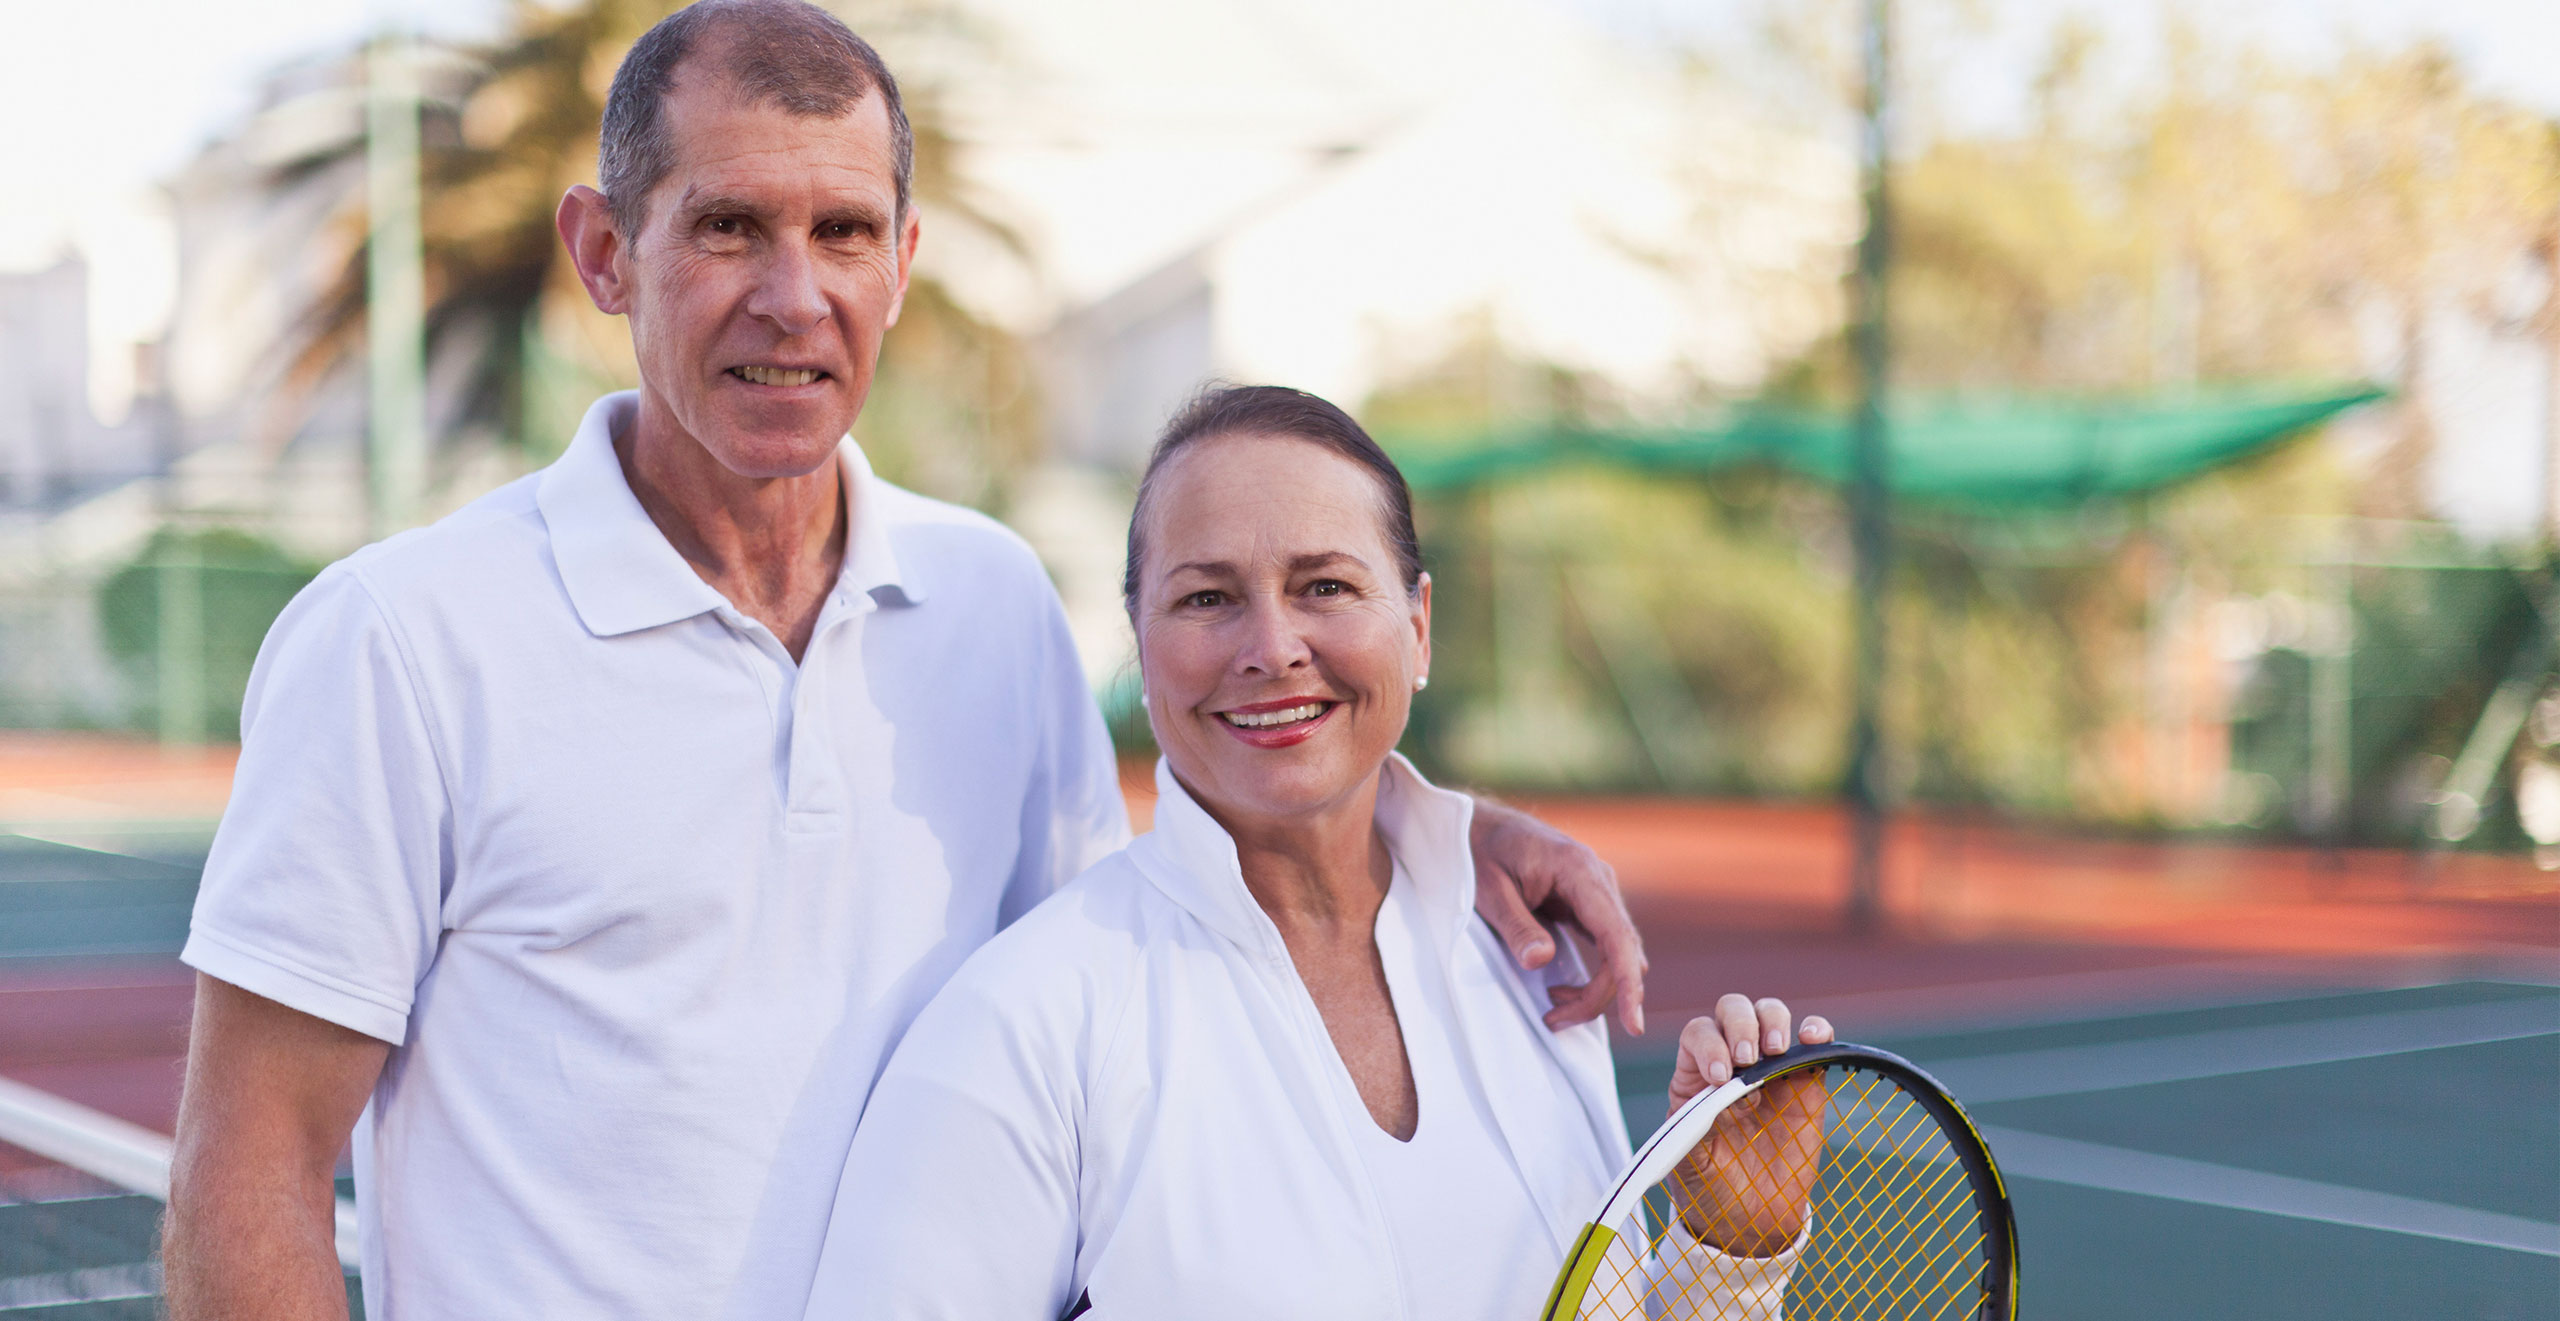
x=1325, y=560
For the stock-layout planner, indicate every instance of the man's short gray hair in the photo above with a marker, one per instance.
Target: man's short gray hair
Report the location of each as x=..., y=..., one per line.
x=785, y=53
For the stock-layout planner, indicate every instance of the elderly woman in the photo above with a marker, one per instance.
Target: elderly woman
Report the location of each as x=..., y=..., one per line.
x=1266, y=1061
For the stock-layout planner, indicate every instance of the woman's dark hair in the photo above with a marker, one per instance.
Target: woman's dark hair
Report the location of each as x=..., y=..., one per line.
x=1276, y=410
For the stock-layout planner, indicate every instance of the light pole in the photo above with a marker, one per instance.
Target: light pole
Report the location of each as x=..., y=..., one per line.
x=395, y=283
x=1870, y=511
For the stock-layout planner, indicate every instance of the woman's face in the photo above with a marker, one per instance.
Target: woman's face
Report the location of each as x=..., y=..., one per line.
x=1276, y=639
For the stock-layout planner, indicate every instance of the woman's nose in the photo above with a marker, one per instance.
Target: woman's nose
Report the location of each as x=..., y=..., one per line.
x=1273, y=643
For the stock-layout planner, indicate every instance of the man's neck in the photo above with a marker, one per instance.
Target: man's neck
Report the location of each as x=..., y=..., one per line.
x=772, y=545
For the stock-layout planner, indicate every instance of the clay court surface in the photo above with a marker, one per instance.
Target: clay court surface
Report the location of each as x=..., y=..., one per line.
x=2245, y=1067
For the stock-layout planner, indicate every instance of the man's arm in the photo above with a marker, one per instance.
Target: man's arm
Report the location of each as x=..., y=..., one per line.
x=271, y=1094
x=1526, y=870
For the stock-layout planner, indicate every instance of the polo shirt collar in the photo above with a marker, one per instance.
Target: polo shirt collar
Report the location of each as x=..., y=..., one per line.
x=621, y=573
x=871, y=565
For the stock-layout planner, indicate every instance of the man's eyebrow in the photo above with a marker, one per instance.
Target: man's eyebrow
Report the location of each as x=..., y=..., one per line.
x=719, y=204
x=862, y=213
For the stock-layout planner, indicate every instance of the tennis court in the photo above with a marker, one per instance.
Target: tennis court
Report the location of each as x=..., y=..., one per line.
x=2338, y=1153
x=2333, y=1132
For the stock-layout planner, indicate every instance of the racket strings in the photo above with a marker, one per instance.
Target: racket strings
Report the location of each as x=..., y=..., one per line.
x=1830, y=1195
x=1898, y=1234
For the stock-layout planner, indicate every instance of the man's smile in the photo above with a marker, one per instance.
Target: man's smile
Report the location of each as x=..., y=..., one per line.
x=779, y=376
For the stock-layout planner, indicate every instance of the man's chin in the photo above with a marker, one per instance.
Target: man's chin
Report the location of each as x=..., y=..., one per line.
x=779, y=438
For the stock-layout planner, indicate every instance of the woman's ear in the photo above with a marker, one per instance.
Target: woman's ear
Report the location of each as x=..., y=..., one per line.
x=1422, y=625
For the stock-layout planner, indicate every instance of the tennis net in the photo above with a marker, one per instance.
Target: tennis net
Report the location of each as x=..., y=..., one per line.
x=81, y=1195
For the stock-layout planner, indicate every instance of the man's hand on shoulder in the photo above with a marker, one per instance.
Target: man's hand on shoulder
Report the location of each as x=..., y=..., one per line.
x=1526, y=871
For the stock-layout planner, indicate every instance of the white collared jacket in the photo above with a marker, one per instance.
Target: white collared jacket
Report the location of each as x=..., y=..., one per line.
x=1128, y=1101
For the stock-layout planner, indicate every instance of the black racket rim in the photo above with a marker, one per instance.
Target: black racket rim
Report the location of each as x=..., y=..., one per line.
x=1990, y=1191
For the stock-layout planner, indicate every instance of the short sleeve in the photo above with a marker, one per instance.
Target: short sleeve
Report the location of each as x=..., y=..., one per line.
x=325, y=883
x=1072, y=815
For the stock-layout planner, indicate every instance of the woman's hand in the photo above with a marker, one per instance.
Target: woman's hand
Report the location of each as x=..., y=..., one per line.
x=1747, y=1188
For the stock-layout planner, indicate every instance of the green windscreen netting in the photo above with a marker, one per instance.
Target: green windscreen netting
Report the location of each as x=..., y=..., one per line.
x=2005, y=451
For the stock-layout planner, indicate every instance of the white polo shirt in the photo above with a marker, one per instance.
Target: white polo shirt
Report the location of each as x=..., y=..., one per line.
x=641, y=904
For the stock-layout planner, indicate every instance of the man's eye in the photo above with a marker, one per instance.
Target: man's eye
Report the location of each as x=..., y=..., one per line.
x=839, y=229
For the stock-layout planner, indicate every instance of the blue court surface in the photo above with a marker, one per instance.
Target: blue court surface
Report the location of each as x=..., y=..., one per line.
x=2385, y=1154
x=2281, y=1154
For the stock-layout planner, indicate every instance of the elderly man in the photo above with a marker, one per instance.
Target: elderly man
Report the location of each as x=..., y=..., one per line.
x=591, y=848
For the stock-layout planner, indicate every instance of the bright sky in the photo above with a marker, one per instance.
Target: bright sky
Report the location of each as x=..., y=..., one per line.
x=106, y=97
x=2507, y=45
x=96, y=121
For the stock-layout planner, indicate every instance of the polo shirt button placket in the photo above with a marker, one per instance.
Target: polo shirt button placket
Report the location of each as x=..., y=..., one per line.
x=814, y=797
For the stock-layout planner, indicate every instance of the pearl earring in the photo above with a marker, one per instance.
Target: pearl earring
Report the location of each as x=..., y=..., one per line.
x=1421, y=681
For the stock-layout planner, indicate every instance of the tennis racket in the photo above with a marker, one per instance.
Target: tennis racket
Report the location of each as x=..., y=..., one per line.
x=1830, y=1183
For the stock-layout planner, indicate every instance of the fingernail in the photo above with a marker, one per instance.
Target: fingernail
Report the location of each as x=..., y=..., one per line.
x=1777, y=1039
x=1638, y=1015
x=1717, y=1072
x=1746, y=1054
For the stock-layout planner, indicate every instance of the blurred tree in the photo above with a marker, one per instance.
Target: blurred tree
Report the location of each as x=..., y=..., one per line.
x=2250, y=221
x=2234, y=219
x=950, y=410
x=199, y=600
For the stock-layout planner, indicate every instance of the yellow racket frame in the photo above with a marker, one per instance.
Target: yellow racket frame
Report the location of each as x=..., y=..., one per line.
x=1688, y=1126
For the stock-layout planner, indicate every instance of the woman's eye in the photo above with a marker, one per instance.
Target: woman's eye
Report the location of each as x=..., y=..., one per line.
x=723, y=225
x=1327, y=587
x=1204, y=599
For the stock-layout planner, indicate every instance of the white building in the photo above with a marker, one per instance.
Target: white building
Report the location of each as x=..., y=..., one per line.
x=53, y=448
x=1339, y=195
x=1336, y=195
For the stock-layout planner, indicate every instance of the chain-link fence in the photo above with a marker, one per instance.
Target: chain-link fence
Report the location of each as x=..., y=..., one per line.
x=160, y=644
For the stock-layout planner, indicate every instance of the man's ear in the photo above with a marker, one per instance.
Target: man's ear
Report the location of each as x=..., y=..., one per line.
x=907, y=236
x=596, y=248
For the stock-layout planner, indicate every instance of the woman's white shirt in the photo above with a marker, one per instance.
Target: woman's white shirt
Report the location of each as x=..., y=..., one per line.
x=1455, y=1203
x=1129, y=1097
x=1128, y=1094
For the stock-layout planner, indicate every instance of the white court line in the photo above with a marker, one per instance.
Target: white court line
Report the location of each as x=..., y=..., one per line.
x=105, y=1147
x=2070, y=1070
x=101, y=1145
x=2053, y=999
x=2024, y=1155
x=97, y=1284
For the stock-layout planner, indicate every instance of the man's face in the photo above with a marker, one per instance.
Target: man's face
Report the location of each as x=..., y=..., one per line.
x=770, y=265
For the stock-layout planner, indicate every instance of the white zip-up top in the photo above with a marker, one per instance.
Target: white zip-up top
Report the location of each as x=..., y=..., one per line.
x=1129, y=1099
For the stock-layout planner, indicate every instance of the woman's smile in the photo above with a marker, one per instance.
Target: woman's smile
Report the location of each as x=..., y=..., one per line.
x=1278, y=723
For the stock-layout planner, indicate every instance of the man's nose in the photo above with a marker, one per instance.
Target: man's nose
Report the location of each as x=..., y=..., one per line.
x=787, y=291
x=1273, y=642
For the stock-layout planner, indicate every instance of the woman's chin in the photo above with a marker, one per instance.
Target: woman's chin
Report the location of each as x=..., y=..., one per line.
x=1272, y=783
